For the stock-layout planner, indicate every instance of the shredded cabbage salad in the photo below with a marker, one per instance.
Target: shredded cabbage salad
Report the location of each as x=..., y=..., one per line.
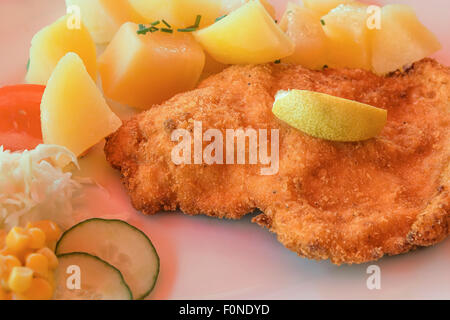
x=34, y=186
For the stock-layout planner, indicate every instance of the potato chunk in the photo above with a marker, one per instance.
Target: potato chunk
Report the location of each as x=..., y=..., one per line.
x=401, y=40
x=50, y=44
x=104, y=17
x=179, y=13
x=182, y=13
x=142, y=70
x=303, y=27
x=186, y=11
x=236, y=39
x=322, y=7
x=74, y=113
x=154, y=10
x=349, y=36
x=231, y=5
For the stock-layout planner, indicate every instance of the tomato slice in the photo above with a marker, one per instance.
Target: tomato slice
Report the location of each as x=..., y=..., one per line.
x=20, y=116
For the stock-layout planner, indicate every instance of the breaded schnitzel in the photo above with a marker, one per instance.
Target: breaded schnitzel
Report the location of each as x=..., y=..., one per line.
x=347, y=202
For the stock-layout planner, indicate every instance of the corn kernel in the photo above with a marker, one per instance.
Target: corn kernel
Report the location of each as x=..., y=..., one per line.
x=6, y=252
x=5, y=295
x=17, y=240
x=11, y=262
x=37, y=236
x=51, y=279
x=51, y=229
x=24, y=254
x=4, y=283
x=40, y=289
x=7, y=263
x=52, y=259
x=38, y=263
x=2, y=265
x=2, y=238
x=20, y=279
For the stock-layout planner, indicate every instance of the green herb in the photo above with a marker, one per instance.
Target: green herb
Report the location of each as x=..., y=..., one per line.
x=325, y=66
x=143, y=29
x=277, y=61
x=197, y=21
x=193, y=27
x=28, y=64
x=190, y=29
x=221, y=17
x=322, y=22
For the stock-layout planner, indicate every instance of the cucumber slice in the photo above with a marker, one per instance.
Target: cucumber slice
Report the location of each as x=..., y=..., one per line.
x=119, y=243
x=98, y=279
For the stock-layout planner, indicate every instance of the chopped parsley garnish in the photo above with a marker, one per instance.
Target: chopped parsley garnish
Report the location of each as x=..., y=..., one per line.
x=221, y=17
x=277, y=61
x=193, y=27
x=143, y=29
x=197, y=21
x=325, y=66
x=190, y=29
x=322, y=22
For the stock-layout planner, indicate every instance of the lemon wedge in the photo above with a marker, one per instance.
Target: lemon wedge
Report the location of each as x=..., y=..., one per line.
x=328, y=117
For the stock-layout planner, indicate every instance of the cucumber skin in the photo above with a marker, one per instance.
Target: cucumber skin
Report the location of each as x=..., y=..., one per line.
x=142, y=297
x=69, y=254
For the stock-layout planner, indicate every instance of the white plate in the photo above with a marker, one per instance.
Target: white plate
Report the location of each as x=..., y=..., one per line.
x=204, y=258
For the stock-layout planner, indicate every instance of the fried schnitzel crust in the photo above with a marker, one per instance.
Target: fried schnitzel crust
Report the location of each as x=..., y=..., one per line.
x=347, y=202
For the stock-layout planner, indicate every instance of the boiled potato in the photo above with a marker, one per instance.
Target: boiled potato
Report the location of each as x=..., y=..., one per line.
x=303, y=26
x=104, y=17
x=349, y=37
x=179, y=13
x=74, y=113
x=322, y=7
x=401, y=40
x=154, y=10
x=231, y=5
x=237, y=38
x=142, y=70
x=186, y=11
x=182, y=13
x=50, y=44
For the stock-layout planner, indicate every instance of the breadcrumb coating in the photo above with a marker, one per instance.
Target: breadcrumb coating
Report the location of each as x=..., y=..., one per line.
x=347, y=202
